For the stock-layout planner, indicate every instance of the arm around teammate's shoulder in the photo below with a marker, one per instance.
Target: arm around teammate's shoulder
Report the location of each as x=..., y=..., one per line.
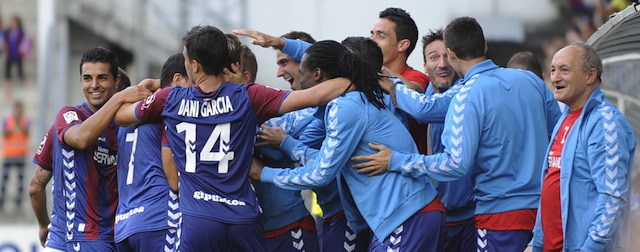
x=83, y=135
x=317, y=95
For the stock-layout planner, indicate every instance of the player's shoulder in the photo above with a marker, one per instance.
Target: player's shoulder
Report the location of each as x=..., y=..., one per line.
x=352, y=103
x=258, y=90
x=256, y=86
x=72, y=113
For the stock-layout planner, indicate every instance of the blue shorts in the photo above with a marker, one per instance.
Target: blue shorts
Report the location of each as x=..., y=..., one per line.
x=200, y=234
x=91, y=246
x=298, y=236
x=160, y=240
x=422, y=232
x=461, y=237
x=508, y=240
x=296, y=239
x=337, y=236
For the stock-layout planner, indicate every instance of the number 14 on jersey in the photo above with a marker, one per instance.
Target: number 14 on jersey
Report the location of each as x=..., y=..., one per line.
x=221, y=132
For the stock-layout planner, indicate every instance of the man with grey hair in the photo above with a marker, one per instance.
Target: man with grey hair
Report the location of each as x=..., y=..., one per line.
x=587, y=174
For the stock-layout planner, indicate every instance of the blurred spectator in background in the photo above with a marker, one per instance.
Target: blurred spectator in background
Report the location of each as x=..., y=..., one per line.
x=17, y=47
x=604, y=8
x=1, y=36
x=15, y=147
x=585, y=26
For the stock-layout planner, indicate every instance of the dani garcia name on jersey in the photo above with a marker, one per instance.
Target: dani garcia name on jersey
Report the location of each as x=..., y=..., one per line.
x=216, y=106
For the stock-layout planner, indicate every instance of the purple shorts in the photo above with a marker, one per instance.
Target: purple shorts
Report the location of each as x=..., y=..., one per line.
x=160, y=240
x=200, y=234
x=509, y=240
x=422, y=232
x=337, y=236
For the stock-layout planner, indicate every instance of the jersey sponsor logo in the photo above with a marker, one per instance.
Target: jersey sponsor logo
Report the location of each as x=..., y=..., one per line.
x=554, y=161
x=212, y=107
x=70, y=116
x=200, y=195
x=101, y=156
x=147, y=102
x=131, y=212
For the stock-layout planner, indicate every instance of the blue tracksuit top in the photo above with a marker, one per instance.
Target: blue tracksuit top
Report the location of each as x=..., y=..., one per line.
x=497, y=128
x=282, y=207
x=457, y=195
x=595, y=177
x=290, y=144
x=327, y=196
x=351, y=122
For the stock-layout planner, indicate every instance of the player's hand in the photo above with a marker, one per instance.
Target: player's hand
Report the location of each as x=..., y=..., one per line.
x=374, y=164
x=528, y=249
x=42, y=233
x=261, y=39
x=150, y=84
x=233, y=76
x=255, y=171
x=270, y=137
x=134, y=93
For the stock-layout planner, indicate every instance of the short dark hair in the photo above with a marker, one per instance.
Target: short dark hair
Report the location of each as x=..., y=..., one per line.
x=174, y=64
x=248, y=62
x=406, y=27
x=101, y=55
x=526, y=60
x=306, y=37
x=433, y=35
x=366, y=49
x=464, y=37
x=208, y=46
x=125, y=82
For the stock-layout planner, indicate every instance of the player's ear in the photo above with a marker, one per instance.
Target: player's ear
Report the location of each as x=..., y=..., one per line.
x=317, y=75
x=195, y=66
x=246, y=77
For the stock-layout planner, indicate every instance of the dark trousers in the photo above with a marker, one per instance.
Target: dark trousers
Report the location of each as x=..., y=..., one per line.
x=9, y=63
x=9, y=163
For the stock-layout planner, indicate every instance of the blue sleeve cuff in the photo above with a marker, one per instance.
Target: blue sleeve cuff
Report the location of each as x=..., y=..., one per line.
x=274, y=154
x=395, y=161
x=295, y=48
x=268, y=174
x=591, y=245
x=288, y=145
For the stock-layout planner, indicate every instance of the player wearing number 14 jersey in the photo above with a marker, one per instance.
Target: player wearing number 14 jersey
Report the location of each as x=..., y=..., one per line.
x=211, y=130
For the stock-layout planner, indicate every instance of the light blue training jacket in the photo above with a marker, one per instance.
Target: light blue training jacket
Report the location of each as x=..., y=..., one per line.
x=384, y=201
x=497, y=128
x=457, y=196
x=595, y=177
x=282, y=207
x=327, y=196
